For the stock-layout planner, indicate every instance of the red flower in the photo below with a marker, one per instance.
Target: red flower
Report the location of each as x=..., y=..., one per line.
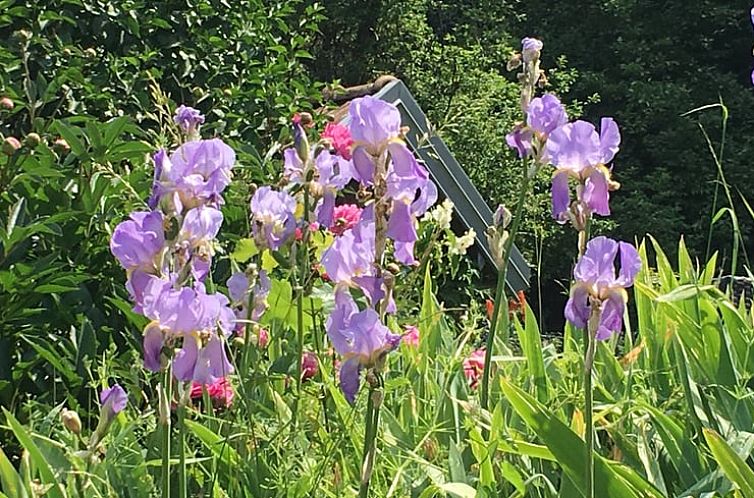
x=473, y=366
x=220, y=391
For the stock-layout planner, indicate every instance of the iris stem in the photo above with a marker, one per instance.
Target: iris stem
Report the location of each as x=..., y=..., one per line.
x=181, y=448
x=500, y=298
x=166, y=436
x=591, y=341
x=300, y=289
x=370, y=440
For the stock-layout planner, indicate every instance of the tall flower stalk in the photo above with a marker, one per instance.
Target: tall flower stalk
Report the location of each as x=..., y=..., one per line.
x=543, y=115
x=167, y=252
x=596, y=304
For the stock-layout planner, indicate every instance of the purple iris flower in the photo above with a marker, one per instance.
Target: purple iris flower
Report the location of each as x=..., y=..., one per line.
x=201, y=224
x=576, y=150
x=360, y=338
x=273, y=217
x=374, y=126
x=333, y=173
x=543, y=116
x=293, y=166
x=113, y=400
x=596, y=283
x=238, y=289
x=188, y=119
x=145, y=289
x=351, y=255
x=138, y=242
x=202, y=321
x=412, y=193
x=195, y=174
x=373, y=122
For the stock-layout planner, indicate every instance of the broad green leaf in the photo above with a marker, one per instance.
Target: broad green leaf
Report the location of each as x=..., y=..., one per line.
x=531, y=344
x=570, y=451
x=218, y=445
x=683, y=292
x=71, y=136
x=45, y=471
x=733, y=466
x=682, y=453
x=244, y=251
x=458, y=489
x=9, y=478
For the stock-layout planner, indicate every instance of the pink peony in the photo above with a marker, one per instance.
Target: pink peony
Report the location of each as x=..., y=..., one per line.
x=220, y=391
x=411, y=336
x=473, y=367
x=340, y=138
x=263, y=339
x=309, y=365
x=344, y=218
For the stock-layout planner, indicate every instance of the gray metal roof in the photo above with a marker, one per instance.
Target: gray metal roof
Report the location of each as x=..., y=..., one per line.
x=451, y=179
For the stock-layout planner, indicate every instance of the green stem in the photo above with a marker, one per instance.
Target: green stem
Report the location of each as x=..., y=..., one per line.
x=166, y=435
x=370, y=442
x=248, y=330
x=300, y=289
x=591, y=341
x=181, y=449
x=299, y=334
x=500, y=300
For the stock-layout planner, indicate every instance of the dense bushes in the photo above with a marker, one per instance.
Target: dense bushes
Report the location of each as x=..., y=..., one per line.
x=105, y=77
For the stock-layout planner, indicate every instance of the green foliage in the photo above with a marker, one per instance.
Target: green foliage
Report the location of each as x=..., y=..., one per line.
x=658, y=412
x=75, y=70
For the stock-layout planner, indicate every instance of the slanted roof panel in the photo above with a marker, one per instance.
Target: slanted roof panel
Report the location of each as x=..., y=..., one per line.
x=450, y=178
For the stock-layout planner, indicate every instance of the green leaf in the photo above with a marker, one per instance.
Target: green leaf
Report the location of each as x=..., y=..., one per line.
x=9, y=478
x=531, y=344
x=683, y=292
x=732, y=465
x=218, y=445
x=244, y=251
x=71, y=136
x=458, y=489
x=569, y=450
x=45, y=472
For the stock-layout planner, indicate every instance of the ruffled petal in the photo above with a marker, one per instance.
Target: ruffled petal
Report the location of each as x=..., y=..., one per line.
x=154, y=340
x=401, y=224
x=611, y=318
x=577, y=308
x=630, y=264
x=561, y=196
x=609, y=140
x=596, y=194
x=184, y=362
x=350, y=372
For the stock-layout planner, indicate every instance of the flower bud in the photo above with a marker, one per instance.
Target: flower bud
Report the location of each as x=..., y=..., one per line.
x=71, y=420
x=6, y=103
x=309, y=365
x=23, y=35
x=11, y=145
x=514, y=62
x=90, y=52
x=263, y=338
x=502, y=217
x=60, y=146
x=32, y=140
x=531, y=49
